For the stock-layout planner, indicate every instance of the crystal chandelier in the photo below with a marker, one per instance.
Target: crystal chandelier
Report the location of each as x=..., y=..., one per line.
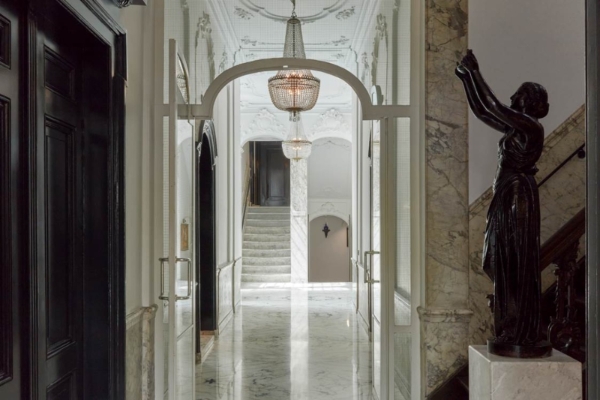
x=294, y=90
x=296, y=146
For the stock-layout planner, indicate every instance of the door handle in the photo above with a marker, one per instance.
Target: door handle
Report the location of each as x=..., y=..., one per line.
x=367, y=269
x=165, y=260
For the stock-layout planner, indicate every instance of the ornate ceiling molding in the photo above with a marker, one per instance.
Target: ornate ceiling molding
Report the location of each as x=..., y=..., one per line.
x=328, y=208
x=336, y=6
x=264, y=125
x=332, y=123
x=345, y=14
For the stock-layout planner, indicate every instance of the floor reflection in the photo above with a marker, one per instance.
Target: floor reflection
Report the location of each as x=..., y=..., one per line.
x=290, y=341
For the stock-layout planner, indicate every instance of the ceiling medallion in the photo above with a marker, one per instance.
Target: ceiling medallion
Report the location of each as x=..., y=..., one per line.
x=329, y=8
x=294, y=91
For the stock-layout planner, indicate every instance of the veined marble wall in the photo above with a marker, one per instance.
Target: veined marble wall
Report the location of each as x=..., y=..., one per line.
x=445, y=315
x=299, y=220
x=561, y=197
x=139, y=354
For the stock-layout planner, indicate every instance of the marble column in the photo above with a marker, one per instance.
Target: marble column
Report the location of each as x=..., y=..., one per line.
x=445, y=314
x=299, y=220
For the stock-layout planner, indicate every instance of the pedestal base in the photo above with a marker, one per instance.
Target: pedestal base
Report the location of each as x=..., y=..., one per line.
x=492, y=377
x=540, y=350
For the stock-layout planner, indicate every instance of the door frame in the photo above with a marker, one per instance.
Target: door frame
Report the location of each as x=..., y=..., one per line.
x=99, y=21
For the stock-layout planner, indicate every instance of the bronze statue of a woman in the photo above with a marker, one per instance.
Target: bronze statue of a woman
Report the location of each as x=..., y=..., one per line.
x=511, y=253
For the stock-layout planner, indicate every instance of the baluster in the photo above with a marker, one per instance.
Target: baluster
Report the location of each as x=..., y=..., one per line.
x=563, y=331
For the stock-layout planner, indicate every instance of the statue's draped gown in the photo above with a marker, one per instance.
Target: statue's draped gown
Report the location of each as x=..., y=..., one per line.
x=511, y=250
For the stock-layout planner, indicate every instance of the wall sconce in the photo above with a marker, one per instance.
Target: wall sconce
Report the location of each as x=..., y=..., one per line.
x=326, y=230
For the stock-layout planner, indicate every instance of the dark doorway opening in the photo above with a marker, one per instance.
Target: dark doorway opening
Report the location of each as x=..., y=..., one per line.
x=206, y=268
x=271, y=171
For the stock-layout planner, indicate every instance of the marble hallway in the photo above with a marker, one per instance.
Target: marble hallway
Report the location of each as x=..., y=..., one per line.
x=290, y=341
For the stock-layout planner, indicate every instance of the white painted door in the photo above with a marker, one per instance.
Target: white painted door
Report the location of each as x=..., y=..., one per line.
x=178, y=273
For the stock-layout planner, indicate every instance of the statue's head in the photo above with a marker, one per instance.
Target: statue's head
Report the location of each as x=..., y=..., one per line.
x=532, y=99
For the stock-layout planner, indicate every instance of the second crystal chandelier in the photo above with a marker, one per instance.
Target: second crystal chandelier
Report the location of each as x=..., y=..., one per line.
x=294, y=91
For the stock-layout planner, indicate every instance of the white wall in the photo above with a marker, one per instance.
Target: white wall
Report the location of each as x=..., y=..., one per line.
x=518, y=41
x=330, y=169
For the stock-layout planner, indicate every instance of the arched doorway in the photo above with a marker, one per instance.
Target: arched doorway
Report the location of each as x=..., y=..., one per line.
x=328, y=252
x=206, y=268
x=400, y=127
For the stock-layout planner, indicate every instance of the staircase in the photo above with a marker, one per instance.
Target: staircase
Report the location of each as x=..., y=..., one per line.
x=266, y=248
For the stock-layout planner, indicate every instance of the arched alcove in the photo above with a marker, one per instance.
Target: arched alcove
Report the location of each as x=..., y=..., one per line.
x=329, y=256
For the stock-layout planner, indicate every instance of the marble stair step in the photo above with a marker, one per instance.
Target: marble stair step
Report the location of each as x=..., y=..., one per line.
x=268, y=230
x=266, y=223
x=269, y=252
x=254, y=237
x=261, y=261
x=266, y=278
x=267, y=210
x=253, y=245
x=269, y=217
x=266, y=269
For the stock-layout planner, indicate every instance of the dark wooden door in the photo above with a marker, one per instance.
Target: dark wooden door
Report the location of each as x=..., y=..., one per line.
x=72, y=169
x=61, y=212
x=10, y=237
x=273, y=174
x=60, y=140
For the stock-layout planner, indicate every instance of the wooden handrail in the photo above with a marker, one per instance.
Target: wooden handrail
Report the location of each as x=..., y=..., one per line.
x=561, y=241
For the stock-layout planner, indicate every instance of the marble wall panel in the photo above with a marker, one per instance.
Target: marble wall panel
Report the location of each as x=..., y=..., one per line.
x=447, y=155
x=444, y=317
x=444, y=342
x=299, y=220
x=561, y=197
x=139, y=354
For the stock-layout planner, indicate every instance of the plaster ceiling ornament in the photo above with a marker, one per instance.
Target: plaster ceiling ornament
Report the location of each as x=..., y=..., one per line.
x=328, y=207
x=242, y=14
x=332, y=123
x=265, y=125
x=345, y=14
x=266, y=10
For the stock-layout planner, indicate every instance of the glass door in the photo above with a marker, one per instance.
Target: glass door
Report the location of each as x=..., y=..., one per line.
x=177, y=271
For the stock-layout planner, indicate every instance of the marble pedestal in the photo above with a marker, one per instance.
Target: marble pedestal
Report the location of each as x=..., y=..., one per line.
x=493, y=377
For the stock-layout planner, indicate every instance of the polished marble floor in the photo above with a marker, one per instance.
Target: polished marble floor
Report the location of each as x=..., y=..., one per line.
x=289, y=341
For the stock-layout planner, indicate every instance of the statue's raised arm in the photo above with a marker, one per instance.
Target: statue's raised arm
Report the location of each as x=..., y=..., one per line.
x=528, y=104
x=511, y=249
